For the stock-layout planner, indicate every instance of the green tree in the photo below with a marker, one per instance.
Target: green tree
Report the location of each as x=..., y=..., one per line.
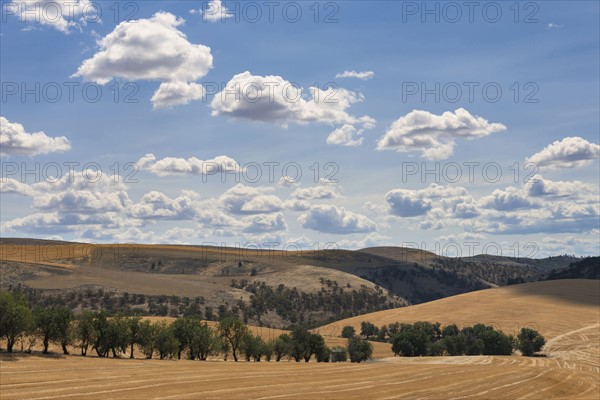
x=101, y=339
x=299, y=343
x=117, y=335
x=530, y=341
x=203, y=342
x=133, y=332
x=184, y=329
x=348, y=332
x=15, y=318
x=359, y=349
x=53, y=325
x=147, y=338
x=234, y=331
x=282, y=346
x=166, y=344
x=84, y=331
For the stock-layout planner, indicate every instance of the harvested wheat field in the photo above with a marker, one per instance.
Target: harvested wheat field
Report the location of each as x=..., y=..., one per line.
x=566, y=312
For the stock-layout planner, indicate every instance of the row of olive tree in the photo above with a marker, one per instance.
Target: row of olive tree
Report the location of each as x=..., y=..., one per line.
x=185, y=337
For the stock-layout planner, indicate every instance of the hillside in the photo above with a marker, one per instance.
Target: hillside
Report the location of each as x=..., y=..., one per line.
x=555, y=308
x=265, y=287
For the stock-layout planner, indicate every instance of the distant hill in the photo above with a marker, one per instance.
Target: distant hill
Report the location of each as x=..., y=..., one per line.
x=588, y=268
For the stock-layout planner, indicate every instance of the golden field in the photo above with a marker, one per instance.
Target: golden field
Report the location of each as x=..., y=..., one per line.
x=566, y=312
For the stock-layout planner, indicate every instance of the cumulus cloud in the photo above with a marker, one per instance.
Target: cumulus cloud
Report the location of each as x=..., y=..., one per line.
x=346, y=136
x=63, y=15
x=319, y=192
x=193, y=166
x=434, y=135
x=333, y=219
x=215, y=11
x=273, y=99
x=242, y=199
x=15, y=141
x=507, y=200
x=540, y=187
x=171, y=94
x=364, y=75
x=570, y=152
x=151, y=49
x=157, y=205
x=266, y=223
x=407, y=203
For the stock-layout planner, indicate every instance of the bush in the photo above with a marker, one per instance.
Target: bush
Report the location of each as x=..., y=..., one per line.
x=339, y=354
x=530, y=341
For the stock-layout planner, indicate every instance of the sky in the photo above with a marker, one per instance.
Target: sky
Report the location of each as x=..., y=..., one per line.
x=456, y=127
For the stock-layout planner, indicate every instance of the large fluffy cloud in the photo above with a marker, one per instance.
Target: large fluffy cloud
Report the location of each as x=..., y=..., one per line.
x=333, y=219
x=569, y=152
x=273, y=99
x=434, y=135
x=151, y=49
x=15, y=141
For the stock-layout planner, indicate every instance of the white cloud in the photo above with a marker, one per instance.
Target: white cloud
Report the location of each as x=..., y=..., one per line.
x=63, y=15
x=570, y=152
x=319, y=192
x=333, y=219
x=537, y=186
x=266, y=223
x=273, y=99
x=553, y=25
x=171, y=94
x=434, y=135
x=10, y=185
x=346, y=136
x=215, y=11
x=193, y=166
x=407, y=203
x=242, y=199
x=353, y=74
x=508, y=199
x=151, y=49
x=15, y=141
x=157, y=205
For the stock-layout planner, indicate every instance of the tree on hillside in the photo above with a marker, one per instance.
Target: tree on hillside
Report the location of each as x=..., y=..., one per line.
x=348, y=332
x=530, y=341
x=367, y=329
x=117, y=335
x=234, y=331
x=15, y=318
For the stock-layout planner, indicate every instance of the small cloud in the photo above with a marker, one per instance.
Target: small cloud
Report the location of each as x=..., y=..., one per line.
x=553, y=25
x=364, y=75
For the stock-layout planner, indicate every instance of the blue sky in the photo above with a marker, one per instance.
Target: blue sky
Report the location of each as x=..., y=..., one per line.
x=544, y=59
